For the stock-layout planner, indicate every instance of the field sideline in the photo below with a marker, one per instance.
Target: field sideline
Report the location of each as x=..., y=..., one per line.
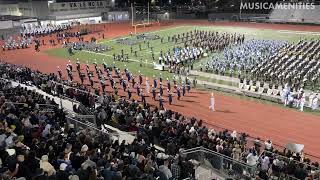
x=145, y=54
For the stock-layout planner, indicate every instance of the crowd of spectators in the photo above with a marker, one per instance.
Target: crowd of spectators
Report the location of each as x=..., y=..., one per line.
x=82, y=155
x=38, y=144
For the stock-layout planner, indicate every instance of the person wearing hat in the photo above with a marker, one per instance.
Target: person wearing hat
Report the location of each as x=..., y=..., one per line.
x=160, y=101
x=178, y=93
x=161, y=89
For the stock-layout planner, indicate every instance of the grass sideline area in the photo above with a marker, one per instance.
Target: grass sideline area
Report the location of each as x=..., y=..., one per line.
x=145, y=54
x=147, y=69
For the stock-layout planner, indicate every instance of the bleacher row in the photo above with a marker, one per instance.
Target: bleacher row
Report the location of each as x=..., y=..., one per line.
x=296, y=15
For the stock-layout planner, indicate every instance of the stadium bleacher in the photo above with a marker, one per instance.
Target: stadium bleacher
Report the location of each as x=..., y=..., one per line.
x=78, y=154
x=296, y=15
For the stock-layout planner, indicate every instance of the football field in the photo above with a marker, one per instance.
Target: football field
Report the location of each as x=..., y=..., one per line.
x=145, y=55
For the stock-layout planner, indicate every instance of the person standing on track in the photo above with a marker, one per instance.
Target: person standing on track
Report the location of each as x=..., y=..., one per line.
x=212, y=103
x=153, y=93
x=169, y=97
x=129, y=93
x=160, y=102
x=143, y=99
x=78, y=65
x=178, y=93
x=154, y=82
x=168, y=84
x=147, y=85
x=59, y=72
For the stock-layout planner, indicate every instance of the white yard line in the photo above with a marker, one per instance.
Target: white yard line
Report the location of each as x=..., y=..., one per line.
x=299, y=32
x=102, y=54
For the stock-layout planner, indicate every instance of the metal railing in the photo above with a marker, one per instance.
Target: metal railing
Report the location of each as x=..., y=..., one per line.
x=219, y=163
x=227, y=167
x=63, y=95
x=285, y=160
x=86, y=124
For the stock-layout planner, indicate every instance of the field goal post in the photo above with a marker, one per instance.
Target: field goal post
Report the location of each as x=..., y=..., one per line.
x=144, y=23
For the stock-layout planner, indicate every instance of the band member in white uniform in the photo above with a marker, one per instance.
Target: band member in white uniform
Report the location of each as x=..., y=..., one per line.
x=211, y=107
x=147, y=85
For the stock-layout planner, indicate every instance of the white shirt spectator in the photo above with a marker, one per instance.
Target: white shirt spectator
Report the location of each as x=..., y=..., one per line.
x=166, y=171
x=311, y=99
x=234, y=134
x=268, y=145
x=252, y=159
x=265, y=163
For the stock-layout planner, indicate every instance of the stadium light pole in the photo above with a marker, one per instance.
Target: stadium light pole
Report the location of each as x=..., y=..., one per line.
x=240, y=10
x=131, y=14
x=148, y=13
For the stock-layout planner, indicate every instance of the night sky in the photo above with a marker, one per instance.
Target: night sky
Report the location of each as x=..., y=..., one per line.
x=208, y=3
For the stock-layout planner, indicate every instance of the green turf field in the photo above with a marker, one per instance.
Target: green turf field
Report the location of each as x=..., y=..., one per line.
x=145, y=54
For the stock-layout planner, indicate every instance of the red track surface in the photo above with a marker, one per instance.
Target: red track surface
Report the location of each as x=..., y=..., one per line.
x=261, y=120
